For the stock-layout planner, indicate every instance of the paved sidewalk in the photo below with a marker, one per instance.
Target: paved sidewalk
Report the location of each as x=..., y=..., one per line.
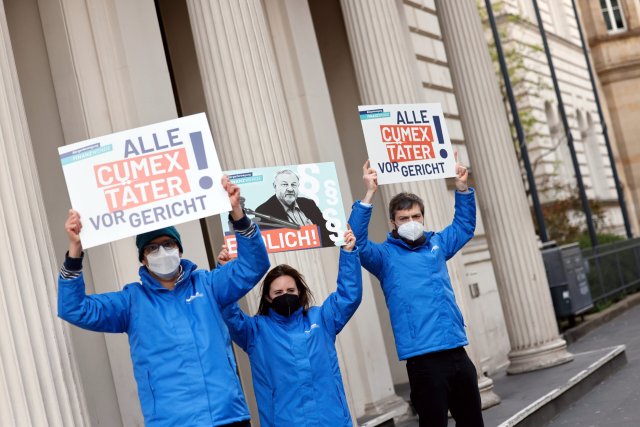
x=615, y=401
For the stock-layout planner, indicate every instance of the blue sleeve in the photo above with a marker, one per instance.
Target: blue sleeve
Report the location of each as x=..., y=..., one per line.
x=338, y=308
x=241, y=326
x=108, y=312
x=234, y=279
x=461, y=230
x=371, y=253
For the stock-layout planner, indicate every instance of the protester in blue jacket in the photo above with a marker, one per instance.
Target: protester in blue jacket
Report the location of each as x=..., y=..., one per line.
x=291, y=345
x=180, y=347
x=426, y=321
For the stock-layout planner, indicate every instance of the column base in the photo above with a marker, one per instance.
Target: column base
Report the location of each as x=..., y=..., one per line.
x=545, y=356
x=488, y=397
x=384, y=410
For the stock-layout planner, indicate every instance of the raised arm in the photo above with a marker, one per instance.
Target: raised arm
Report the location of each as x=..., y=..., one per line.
x=461, y=230
x=370, y=252
x=338, y=308
x=108, y=312
x=233, y=280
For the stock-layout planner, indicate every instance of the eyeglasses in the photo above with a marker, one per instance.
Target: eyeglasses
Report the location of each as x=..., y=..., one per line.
x=153, y=248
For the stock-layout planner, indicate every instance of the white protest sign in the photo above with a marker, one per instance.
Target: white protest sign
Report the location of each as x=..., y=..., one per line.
x=142, y=179
x=407, y=142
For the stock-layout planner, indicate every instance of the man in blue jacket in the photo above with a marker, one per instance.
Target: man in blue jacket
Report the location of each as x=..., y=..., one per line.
x=180, y=347
x=426, y=321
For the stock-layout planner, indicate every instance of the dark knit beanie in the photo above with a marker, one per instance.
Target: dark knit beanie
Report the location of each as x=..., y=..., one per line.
x=143, y=239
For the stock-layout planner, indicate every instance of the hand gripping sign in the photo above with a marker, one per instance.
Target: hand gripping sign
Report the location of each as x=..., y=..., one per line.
x=143, y=179
x=296, y=206
x=407, y=142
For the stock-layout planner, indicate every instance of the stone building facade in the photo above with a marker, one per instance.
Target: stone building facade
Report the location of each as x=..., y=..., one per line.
x=537, y=102
x=280, y=81
x=612, y=30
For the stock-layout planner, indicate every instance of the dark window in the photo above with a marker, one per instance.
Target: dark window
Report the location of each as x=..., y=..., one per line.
x=612, y=14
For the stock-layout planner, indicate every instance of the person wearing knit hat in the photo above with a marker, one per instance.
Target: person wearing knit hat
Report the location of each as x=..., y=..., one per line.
x=142, y=240
x=181, y=350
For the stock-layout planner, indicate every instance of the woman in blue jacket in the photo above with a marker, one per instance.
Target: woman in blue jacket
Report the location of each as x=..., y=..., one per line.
x=291, y=345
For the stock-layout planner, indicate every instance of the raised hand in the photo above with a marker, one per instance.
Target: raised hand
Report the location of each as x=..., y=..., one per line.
x=462, y=175
x=223, y=256
x=370, y=178
x=234, y=197
x=73, y=226
x=349, y=240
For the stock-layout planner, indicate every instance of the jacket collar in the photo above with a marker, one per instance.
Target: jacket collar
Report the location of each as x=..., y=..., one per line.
x=399, y=242
x=286, y=320
x=150, y=282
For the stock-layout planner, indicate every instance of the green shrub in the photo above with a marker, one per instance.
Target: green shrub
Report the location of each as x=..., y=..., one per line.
x=603, y=238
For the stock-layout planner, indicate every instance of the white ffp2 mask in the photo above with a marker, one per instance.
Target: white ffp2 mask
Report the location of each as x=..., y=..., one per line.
x=411, y=230
x=164, y=263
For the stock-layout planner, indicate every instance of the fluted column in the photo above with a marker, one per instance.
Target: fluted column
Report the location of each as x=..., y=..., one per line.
x=36, y=381
x=385, y=71
x=522, y=282
x=251, y=126
x=245, y=100
x=102, y=86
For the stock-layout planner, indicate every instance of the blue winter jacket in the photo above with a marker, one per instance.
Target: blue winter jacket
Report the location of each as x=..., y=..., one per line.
x=296, y=377
x=180, y=347
x=415, y=281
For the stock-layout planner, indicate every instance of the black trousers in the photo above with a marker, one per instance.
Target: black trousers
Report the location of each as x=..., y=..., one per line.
x=441, y=381
x=238, y=424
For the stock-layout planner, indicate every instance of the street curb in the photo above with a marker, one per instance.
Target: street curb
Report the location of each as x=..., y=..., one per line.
x=597, y=319
x=545, y=408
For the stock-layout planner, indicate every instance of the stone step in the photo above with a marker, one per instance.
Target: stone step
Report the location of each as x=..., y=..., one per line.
x=543, y=409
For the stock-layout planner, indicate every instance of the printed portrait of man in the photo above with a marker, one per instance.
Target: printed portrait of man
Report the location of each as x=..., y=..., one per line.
x=285, y=205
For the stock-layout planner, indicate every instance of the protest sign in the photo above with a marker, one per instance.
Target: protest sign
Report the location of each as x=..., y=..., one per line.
x=268, y=194
x=142, y=179
x=407, y=142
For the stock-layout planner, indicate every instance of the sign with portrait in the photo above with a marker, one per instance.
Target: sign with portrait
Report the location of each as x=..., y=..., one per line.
x=142, y=179
x=296, y=206
x=407, y=142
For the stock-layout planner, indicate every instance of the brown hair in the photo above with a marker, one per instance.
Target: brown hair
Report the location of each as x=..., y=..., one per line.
x=306, y=297
x=403, y=201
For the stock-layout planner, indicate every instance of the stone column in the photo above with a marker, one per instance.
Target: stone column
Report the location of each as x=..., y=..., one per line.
x=250, y=122
x=386, y=74
x=109, y=72
x=245, y=102
x=36, y=372
x=522, y=282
